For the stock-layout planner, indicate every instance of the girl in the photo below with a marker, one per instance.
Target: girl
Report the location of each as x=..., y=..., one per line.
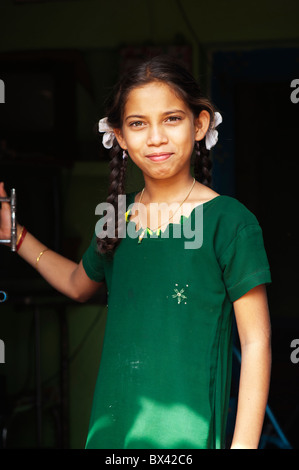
x=164, y=379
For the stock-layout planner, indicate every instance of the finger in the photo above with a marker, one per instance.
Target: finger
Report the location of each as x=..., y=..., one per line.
x=5, y=218
x=3, y=193
x=1, y=187
x=2, y=190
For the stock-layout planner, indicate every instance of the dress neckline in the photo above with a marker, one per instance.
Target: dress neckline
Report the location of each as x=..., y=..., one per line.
x=182, y=218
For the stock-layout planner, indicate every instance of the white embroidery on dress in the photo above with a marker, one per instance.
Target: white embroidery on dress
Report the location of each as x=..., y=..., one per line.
x=180, y=295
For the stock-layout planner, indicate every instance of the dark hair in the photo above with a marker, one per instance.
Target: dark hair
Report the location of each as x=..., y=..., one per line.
x=161, y=69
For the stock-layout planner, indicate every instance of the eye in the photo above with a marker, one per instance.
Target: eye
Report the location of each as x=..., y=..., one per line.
x=173, y=119
x=136, y=124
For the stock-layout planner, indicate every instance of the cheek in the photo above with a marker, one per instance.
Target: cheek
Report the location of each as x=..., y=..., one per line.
x=183, y=134
x=185, y=140
x=135, y=143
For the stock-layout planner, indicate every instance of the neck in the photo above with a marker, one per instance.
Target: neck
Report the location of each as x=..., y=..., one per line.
x=166, y=190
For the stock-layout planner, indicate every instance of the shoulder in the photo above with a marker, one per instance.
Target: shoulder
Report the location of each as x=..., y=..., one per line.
x=223, y=206
x=234, y=234
x=232, y=210
x=229, y=220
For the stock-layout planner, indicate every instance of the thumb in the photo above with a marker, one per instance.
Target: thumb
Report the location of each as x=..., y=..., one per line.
x=3, y=193
x=5, y=213
x=2, y=190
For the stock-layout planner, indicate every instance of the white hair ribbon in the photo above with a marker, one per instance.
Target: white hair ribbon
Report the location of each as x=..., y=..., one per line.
x=108, y=136
x=212, y=134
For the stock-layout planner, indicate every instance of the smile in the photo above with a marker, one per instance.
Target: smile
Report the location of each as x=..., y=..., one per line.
x=159, y=157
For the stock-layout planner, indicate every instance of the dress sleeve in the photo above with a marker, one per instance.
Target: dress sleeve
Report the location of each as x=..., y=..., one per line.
x=93, y=262
x=244, y=263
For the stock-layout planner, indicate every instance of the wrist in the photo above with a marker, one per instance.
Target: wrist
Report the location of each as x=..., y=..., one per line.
x=19, y=231
x=21, y=234
x=243, y=445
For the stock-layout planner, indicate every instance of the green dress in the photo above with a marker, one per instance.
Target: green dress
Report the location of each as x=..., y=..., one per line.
x=165, y=373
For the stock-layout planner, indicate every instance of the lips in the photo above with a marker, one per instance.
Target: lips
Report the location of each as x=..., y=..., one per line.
x=159, y=157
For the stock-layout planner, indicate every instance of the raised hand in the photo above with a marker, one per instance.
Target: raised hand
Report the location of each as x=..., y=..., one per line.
x=5, y=216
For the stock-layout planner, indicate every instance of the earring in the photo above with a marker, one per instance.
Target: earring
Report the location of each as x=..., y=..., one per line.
x=125, y=155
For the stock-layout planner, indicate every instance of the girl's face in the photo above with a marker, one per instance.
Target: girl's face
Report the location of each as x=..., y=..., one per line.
x=159, y=130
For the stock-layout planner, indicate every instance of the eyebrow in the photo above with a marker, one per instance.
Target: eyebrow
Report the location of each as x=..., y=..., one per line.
x=167, y=113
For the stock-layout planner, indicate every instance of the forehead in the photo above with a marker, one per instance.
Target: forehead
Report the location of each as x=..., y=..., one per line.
x=153, y=97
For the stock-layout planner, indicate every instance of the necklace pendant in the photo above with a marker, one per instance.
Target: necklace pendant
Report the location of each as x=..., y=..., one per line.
x=140, y=238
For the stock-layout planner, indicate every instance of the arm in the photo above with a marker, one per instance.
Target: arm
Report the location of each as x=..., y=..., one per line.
x=252, y=317
x=64, y=275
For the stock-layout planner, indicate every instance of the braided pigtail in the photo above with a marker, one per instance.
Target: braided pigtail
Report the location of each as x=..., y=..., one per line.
x=202, y=163
x=118, y=165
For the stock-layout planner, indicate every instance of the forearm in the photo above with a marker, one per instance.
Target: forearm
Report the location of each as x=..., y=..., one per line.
x=54, y=268
x=253, y=394
x=64, y=275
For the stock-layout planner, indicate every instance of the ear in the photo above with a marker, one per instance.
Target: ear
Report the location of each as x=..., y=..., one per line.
x=120, y=139
x=202, y=125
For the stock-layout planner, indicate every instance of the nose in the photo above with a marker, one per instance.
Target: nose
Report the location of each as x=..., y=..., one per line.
x=157, y=136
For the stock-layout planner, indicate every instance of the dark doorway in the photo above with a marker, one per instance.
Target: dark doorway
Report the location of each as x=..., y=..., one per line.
x=257, y=162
